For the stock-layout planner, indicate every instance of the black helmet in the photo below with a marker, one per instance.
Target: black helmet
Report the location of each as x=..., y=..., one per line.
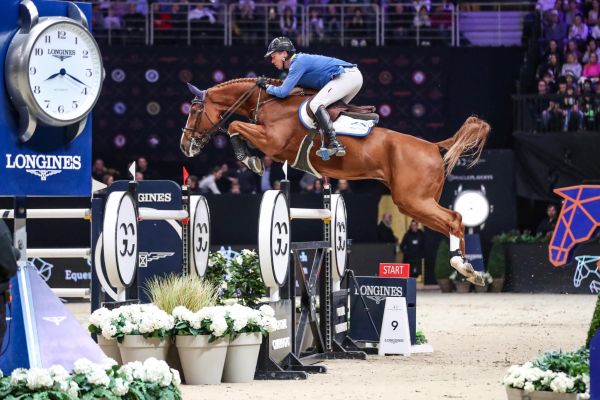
x=280, y=44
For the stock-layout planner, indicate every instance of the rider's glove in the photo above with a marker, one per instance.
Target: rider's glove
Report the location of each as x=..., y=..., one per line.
x=262, y=82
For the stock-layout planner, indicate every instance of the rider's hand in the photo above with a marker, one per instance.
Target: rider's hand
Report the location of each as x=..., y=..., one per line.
x=262, y=82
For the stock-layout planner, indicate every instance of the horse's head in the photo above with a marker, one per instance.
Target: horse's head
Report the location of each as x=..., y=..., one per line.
x=577, y=221
x=199, y=126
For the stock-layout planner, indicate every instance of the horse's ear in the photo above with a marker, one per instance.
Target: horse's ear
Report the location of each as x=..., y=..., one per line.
x=196, y=92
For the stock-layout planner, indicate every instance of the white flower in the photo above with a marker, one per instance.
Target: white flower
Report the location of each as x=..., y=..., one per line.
x=100, y=317
x=229, y=302
x=98, y=376
x=561, y=383
x=73, y=389
x=218, y=326
x=83, y=366
x=39, y=378
x=239, y=260
x=18, y=376
x=158, y=372
x=133, y=370
x=240, y=315
x=267, y=310
x=176, y=377
x=109, y=331
x=182, y=313
x=1, y=374
x=529, y=387
x=246, y=252
x=121, y=387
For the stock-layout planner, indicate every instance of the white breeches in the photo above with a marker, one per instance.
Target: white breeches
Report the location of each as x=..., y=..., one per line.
x=343, y=87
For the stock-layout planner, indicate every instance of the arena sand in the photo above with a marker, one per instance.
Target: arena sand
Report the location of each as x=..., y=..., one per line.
x=475, y=336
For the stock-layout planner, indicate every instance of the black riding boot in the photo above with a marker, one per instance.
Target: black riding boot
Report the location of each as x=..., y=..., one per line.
x=324, y=122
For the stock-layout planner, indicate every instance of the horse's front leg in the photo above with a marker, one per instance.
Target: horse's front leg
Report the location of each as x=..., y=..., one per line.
x=242, y=132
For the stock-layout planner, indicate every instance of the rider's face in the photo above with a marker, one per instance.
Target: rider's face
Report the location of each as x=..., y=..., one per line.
x=278, y=59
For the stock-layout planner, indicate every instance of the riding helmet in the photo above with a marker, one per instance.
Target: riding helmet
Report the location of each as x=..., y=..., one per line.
x=280, y=44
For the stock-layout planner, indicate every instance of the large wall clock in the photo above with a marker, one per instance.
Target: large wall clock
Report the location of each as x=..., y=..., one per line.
x=53, y=71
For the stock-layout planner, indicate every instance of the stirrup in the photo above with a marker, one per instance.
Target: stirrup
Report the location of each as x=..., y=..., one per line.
x=325, y=153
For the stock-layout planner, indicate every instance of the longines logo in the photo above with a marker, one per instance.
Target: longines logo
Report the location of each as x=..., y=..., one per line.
x=61, y=54
x=379, y=293
x=148, y=257
x=55, y=320
x=154, y=197
x=43, y=165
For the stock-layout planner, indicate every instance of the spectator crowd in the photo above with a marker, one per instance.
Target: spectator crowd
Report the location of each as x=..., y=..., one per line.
x=567, y=77
x=174, y=20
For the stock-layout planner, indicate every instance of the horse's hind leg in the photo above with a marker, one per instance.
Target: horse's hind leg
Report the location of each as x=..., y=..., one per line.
x=449, y=223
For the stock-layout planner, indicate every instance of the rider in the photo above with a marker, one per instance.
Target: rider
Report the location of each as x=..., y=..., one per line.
x=336, y=80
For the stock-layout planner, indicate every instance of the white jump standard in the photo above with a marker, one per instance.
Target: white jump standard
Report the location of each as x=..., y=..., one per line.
x=282, y=355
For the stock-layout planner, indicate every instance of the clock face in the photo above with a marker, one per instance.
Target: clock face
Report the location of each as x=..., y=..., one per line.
x=65, y=71
x=473, y=206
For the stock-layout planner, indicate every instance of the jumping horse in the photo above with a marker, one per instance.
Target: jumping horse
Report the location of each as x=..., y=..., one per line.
x=413, y=169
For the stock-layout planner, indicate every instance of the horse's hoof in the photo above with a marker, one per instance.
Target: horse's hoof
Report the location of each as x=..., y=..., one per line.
x=476, y=279
x=462, y=266
x=255, y=164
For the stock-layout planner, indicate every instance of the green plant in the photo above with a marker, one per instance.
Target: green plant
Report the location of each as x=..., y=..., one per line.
x=168, y=292
x=496, y=264
x=571, y=363
x=562, y=372
x=443, y=270
x=217, y=269
x=420, y=338
x=245, y=280
x=151, y=380
x=595, y=324
x=518, y=237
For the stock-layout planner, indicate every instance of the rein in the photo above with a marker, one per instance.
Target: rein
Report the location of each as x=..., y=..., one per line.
x=197, y=143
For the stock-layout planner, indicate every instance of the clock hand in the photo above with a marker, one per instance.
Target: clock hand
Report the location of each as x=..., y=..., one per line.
x=75, y=79
x=53, y=76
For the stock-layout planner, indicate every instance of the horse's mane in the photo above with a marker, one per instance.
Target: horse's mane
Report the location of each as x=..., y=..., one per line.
x=244, y=80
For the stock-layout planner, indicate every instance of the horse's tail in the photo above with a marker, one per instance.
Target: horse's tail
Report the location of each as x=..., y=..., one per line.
x=468, y=141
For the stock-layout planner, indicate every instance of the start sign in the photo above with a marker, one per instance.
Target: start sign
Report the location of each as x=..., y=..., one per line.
x=394, y=270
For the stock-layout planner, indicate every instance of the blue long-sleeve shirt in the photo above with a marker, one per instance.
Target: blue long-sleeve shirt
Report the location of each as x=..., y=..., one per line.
x=310, y=71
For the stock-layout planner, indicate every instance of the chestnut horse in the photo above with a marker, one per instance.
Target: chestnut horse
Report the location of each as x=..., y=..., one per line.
x=413, y=169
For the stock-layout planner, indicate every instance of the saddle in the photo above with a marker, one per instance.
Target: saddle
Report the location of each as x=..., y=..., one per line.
x=339, y=108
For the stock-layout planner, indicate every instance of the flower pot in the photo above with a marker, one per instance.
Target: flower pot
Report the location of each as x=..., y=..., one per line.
x=110, y=348
x=202, y=362
x=445, y=285
x=519, y=394
x=462, y=287
x=481, y=289
x=497, y=285
x=242, y=356
x=514, y=394
x=552, y=396
x=138, y=348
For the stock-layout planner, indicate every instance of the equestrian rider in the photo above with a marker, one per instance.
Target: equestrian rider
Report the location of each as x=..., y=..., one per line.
x=336, y=80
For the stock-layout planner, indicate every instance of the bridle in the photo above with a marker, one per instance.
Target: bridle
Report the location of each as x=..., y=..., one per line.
x=197, y=143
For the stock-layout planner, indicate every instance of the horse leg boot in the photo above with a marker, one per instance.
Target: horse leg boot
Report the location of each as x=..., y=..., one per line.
x=460, y=263
x=325, y=124
x=240, y=151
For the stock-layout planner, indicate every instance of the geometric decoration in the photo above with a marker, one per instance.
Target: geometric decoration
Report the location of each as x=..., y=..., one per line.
x=577, y=222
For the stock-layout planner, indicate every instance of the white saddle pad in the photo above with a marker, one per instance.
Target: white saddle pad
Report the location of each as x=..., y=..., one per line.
x=344, y=125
